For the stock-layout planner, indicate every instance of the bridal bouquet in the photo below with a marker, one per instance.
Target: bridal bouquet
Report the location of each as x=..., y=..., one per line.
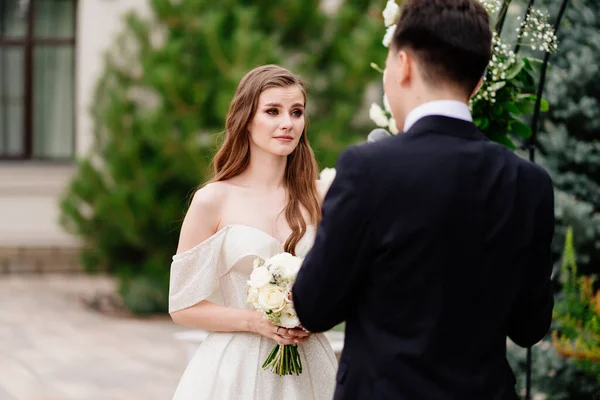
x=270, y=292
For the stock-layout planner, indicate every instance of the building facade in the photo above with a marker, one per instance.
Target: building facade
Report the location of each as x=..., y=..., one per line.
x=51, y=55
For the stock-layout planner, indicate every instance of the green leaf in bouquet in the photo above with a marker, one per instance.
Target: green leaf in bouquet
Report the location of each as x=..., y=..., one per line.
x=284, y=360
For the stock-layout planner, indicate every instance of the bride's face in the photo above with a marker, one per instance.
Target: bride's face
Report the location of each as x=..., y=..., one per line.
x=278, y=122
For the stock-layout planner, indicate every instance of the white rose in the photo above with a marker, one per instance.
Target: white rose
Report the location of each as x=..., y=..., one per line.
x=280, y=259
x=290, y=271
x=327, y=176
x=378, y=116
x=287, y=265
x=271, y=297
x=389, y=34
x=393, y=128
x=259, y=277
x=289, y=320
x=391, y=13
x=252, y=296
x=258, y=262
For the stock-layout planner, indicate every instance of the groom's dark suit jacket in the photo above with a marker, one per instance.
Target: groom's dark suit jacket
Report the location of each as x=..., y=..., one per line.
x=434, y=248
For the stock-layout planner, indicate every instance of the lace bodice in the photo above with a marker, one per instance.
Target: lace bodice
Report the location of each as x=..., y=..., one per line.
x=218, y=268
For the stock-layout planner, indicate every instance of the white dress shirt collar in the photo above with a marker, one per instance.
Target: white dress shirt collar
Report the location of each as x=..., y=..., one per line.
x=445, y=108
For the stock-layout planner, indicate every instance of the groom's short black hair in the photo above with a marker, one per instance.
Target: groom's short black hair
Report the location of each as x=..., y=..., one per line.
x=450, y=39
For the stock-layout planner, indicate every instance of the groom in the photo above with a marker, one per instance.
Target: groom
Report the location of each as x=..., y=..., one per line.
x=435, y=244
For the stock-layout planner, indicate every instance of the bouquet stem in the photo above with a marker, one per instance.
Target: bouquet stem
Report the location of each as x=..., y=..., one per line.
x=284, y=360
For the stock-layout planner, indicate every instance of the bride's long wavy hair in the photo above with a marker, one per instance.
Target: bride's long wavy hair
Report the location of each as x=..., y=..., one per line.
x=233, y=157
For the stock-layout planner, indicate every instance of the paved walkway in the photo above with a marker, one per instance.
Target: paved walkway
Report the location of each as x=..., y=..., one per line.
x=54, y=348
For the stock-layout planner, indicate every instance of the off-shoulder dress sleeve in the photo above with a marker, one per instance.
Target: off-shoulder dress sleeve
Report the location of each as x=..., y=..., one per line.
x=195, y=273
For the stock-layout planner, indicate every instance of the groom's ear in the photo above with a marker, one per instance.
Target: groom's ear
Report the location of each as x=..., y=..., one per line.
x=406, y=66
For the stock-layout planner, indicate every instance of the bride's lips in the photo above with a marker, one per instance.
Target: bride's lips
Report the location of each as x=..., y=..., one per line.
x=284, y=138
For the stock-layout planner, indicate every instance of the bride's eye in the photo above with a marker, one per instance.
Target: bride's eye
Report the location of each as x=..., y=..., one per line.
x=297, y=113
x=272, y=111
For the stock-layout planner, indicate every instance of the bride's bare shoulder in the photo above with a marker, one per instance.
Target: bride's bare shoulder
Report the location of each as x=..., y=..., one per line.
x=210, y=196
x=203, y=216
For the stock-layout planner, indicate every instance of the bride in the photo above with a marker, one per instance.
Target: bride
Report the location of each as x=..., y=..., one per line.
x=263, y=199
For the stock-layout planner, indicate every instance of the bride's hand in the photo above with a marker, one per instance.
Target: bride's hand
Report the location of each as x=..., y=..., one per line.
x=298, y=334
x=279, y=334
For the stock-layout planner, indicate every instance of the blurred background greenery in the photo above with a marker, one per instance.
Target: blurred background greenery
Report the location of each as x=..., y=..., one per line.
x=166, y=88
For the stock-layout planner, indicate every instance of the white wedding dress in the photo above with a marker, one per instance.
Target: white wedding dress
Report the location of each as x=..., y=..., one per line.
x=228, y=366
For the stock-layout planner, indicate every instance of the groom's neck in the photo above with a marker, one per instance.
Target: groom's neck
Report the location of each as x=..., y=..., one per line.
x=426, y=94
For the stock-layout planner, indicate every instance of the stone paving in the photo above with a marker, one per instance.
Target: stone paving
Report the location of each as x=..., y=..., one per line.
x=52, y=347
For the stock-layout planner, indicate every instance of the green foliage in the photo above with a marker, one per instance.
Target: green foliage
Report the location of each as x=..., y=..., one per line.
x=577, y=315
x=572, y=131
x=508, y=96
x=571, y=162
x=514, y=99
x=553, y=377
x=163, y=96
